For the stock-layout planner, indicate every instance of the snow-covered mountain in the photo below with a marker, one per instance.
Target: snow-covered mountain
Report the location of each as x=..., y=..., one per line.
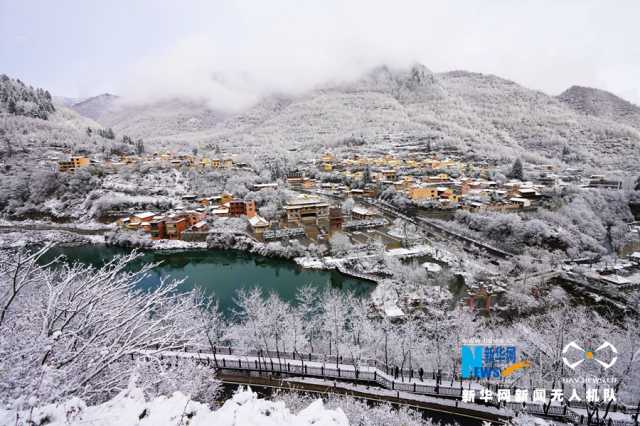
x=96, y=106
x=600, y=103
x=480, y=114
x=159, y=119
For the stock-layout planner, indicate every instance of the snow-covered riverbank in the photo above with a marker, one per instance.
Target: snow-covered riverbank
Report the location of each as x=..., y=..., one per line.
x=23, y=238
x=83, y=227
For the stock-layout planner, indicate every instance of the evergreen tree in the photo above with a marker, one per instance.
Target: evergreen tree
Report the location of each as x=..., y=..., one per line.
x=516, y=170
x=139, y=147
x=637, y=187
x=107, y=134
x=367, y=174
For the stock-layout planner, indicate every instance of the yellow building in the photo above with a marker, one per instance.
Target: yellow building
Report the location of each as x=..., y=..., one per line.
x=449, y=195
x=327, y=167
x=73, y=164
x=388, y=174
x=225, y=197
x=439, y=178
x=422, y=192
x=327, y=158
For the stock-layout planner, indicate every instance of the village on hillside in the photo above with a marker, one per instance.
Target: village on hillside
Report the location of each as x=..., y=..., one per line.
x=437, y=183
x=356, y=203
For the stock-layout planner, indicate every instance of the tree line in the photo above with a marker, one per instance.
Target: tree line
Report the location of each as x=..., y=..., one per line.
x=19, y=99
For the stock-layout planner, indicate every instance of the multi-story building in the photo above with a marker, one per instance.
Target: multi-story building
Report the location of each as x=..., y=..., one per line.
x=73, y=163
x=295, y=179
x=175, y=226
x=136, y=220
x=242, y=208
x=157, y=228
x=258, y=225
x=417, y=193
x=307, y=208
x=388, y=174
x=336, y=220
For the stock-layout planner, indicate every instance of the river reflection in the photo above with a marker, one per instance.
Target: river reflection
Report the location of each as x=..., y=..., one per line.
x=221, y=273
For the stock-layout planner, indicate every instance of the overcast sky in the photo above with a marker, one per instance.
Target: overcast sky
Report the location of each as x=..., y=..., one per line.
x=235, y=52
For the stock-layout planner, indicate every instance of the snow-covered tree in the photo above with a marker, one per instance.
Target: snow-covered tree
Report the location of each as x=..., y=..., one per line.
x=80, y=329
x=516, y=170
x=340, y=243
x=347, y=206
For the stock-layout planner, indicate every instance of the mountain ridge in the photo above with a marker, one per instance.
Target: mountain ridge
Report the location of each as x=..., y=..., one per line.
x=95, y=107
x=482, y=115
x=601, y=103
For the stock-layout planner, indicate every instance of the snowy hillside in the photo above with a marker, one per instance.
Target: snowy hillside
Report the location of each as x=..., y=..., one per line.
x=131, y=408
x=159, y=119
x=600, y=103
x=96, y=106
x=481, y=114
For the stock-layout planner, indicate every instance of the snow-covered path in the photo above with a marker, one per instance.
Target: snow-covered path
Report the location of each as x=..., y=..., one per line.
x=318, y=370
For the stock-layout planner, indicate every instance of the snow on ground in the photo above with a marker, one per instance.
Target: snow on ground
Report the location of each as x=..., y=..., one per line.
x=88, y=226
x=131, y=408
x=177, y=244
x=423, y=249
x=613, y=415
x=432, y=267
x=24, y=237
x=310, y=262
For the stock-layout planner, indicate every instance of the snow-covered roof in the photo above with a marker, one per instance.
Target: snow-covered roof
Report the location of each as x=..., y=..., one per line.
x=616, y=279
x=146, y=215
x=361, y=210
x=257, y=221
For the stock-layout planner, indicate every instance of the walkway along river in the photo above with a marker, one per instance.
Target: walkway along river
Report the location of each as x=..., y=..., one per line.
x=222, y=273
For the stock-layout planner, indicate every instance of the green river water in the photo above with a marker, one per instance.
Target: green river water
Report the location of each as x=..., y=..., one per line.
x=221, y=273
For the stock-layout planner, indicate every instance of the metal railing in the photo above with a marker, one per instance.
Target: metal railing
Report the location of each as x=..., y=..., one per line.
x=370, y=371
